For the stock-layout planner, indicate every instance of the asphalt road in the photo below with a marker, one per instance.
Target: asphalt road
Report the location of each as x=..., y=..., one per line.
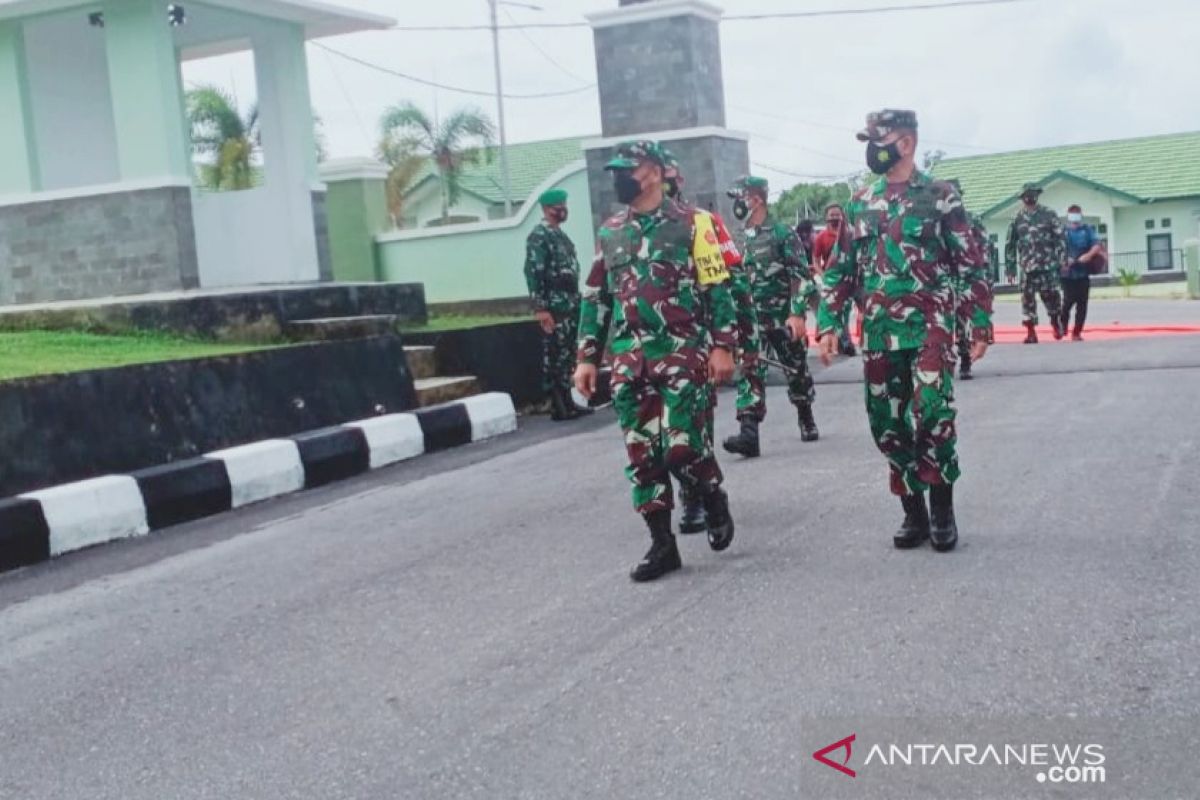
x=463, y=627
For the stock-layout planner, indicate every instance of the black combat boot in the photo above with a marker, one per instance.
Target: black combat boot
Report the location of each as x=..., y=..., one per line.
x=1031, y=335
x=692, y=519
x=663, y=555
x=846, y=345
x=808, y=425
x=560, y=406
x=964, y=367
x=746, y=442
x=718, y=519
x=915, y=528
x=943, y=530
x=1060, y=327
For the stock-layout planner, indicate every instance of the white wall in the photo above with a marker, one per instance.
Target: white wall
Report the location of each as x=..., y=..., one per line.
x=72, y=105
x=425, y=205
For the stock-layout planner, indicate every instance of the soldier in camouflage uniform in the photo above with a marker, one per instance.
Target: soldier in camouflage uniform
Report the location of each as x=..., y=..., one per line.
x=906, y=238
x=781, y=286
x=660, y=282
x=1037, y=242
x=692, y=519
x=552, y=275
x=962, y=288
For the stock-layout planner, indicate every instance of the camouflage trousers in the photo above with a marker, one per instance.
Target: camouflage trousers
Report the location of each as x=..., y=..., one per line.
x=774, y=340
x=667, y=423
x=558, y=352
x=910, y=409
x=1043, y=283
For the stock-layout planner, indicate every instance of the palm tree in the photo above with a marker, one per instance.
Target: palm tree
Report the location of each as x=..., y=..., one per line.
x=221, y=134
x=405, y=163
x=450, y=145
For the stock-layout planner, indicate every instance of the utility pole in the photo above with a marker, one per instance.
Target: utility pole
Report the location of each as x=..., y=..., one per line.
x=504, y=176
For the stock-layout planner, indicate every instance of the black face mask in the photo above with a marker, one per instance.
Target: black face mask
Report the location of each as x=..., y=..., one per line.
x=1030, y=199
x=671, y=187
x=627, y=187
x=560, y=214
x=882, y=158
x=740, y=209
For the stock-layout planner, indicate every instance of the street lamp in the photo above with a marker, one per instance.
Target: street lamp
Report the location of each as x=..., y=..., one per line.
x=504, y=176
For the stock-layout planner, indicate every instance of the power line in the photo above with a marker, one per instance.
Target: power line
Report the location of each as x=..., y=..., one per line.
x=346, y=95
x=793, y=174
x=546, y=55
x=833, y=127
x=831, y=12
x=794, y=146
x=447, y=87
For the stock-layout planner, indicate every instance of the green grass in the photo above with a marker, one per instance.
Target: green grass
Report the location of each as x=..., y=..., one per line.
x=27, y=353
x=454, y=322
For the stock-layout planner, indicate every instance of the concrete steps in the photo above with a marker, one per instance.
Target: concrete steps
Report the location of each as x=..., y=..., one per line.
x=328, y=329
x=433, y=391
x=422, y=361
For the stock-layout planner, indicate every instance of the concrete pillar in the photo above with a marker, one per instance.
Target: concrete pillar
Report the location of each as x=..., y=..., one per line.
x=356, y=207
x=19, y=172
x=289, y=148
x=659, y=68
x=148, y=110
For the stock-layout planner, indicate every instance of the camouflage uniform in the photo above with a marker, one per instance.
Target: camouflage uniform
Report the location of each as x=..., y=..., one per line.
x=781, y=285
x=552, y=275
x=1036, y=241
x=962, y=289
x=665, y=318
x=904, y=248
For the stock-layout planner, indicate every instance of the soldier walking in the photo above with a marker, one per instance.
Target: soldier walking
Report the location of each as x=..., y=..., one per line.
x=692, y=518
x=552, y=275
x=780, y=286
x=906, y=237
x=660, y=283
x=1035, y=241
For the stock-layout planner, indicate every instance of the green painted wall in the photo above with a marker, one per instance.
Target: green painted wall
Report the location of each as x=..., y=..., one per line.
x=19, y=165
x=1184, y=216
x=484, y=264
x=357, y=212
x=147, y=105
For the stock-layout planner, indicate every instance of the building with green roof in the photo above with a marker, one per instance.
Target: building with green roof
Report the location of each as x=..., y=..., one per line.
x=1143, y=194
x=482, y=198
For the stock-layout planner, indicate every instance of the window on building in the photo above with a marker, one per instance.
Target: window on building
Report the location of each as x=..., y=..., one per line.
x=1159, y=255
x=1149, y=224
x=1102, y=229
x=1165, y=222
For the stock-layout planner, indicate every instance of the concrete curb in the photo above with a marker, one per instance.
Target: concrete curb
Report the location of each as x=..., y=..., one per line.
x=49, y=522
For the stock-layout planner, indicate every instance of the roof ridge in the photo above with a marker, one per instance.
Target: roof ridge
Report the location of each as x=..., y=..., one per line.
x=1026, y=151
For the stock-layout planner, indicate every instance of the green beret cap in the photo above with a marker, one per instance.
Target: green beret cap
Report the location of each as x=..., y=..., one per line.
x=553, y=197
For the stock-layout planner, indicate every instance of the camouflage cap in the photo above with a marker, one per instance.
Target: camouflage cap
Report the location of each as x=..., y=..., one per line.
x=749, y=184
x=629, y=154
x=881, y=123
x=1031, y=187
x=671, y=165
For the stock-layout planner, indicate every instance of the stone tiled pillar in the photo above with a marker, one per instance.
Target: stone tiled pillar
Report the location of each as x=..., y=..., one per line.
x=658, y=64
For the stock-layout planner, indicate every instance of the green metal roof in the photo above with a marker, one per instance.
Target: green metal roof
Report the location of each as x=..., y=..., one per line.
x=1147, y=168
x=529, y=163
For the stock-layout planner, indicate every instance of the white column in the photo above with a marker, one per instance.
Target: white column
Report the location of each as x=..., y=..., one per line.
x=19, y=172
x=289, y=150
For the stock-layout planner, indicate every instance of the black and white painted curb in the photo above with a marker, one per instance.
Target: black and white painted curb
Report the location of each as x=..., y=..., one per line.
x=49, y=522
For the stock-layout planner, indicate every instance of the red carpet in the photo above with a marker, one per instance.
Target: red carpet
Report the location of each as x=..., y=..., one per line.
x=1015, y=334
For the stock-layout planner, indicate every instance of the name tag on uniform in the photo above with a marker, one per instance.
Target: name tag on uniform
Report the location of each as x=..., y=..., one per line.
x=706, y=252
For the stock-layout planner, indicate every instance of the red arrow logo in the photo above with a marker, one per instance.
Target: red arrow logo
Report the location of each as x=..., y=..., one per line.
x=844, y=744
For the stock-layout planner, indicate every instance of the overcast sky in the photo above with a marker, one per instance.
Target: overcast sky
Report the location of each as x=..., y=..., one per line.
x=982, y=79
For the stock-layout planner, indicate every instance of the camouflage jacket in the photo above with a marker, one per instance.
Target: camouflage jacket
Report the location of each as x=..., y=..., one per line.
x=1036, y=241
x=906, y=251
x=780, y=280
x=987, y=250
x=645, y=287
x=551, y=270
